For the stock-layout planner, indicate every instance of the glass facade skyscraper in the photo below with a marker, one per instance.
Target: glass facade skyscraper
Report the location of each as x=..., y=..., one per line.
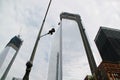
x=8, y=56
x=55, y=70
x=108, y=44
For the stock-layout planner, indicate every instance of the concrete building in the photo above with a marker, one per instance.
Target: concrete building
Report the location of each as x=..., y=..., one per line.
x=108, y=71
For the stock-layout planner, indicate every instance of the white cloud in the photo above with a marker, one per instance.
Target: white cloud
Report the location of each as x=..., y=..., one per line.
x=29, y=14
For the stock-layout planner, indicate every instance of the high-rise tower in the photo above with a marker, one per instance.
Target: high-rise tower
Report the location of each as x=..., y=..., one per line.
x=55, y=62
x=86, y=44
x=8, y=55
x=108, y=43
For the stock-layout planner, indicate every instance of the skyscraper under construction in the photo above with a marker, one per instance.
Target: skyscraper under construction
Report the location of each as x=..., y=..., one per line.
x=108, y=44
x=8, y=56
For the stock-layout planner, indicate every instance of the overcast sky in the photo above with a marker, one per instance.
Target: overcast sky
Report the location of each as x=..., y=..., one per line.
x=25, y=17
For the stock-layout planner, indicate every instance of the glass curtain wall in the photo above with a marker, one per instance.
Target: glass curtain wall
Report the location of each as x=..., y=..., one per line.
x=75, y=63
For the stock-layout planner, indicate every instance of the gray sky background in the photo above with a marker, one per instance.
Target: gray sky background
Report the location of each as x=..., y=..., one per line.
x=28, y=15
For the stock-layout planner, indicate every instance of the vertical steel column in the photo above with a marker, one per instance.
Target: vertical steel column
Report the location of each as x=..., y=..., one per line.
x=57, y=66
x=88, y=50
x=60, y=54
